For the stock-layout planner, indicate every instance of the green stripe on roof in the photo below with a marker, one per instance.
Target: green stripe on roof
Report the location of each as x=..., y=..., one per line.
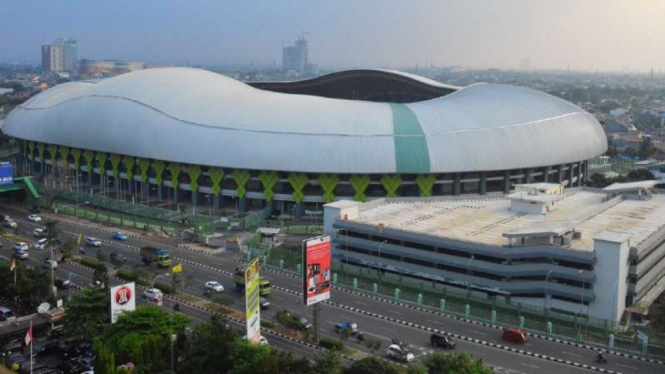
x=411, y=153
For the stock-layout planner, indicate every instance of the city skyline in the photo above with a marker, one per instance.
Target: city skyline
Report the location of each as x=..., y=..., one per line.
x=599, y=35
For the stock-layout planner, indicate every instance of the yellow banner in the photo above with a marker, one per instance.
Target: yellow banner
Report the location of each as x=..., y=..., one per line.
x=177, y=268
x=252, y=304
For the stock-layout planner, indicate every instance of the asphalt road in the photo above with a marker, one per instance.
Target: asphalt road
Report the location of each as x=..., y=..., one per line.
x=286, y=295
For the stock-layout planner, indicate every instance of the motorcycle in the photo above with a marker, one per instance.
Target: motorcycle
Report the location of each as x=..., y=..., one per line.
x=600, y=359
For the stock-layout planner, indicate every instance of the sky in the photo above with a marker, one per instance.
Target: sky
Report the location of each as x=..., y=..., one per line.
x=605, y=35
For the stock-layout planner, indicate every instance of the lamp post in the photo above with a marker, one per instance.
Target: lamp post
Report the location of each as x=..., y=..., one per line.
x=547, y=294
x=468, y=272
x=378, y=274
x=159, y=276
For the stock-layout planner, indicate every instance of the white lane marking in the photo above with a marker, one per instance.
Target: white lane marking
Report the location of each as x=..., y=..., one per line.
x=570, y=354
x=477, y=332
x=387, y=329
x=531, y=366
x=437, y=322
x=395, y=312
x=627, y=367
x=358, y=302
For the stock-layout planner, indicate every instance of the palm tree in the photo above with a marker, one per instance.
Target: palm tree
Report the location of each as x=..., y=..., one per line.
x=52, y=231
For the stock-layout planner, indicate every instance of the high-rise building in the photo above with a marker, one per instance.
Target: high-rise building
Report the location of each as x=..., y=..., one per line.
x=296, y=57
x=69, y=47
x=53, y=58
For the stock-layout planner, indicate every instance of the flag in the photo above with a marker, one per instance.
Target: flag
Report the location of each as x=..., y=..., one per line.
x=177, y=268
x=12, y=265
x=78, y=241
x=28, y=336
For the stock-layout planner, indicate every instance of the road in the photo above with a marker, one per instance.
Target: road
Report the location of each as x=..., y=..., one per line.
x=376, y=318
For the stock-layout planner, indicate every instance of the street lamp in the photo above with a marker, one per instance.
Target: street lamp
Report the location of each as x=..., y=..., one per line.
x=159, y=276
x=468, y=272
x=380, y=245
x=545, y=306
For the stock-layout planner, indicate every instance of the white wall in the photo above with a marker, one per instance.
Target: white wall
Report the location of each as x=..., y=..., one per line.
x=611, y=272
x=339, y=209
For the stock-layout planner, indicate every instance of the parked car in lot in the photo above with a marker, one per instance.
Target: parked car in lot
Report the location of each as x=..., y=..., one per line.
x=442, y=341
x=49, y=264
x=514, y=335
x=152, y=294
x=119, y=235
x=40, y=232
x=349, y=326
x=20, y=246
x=399, y=353
x=6, y=314
x=20, y=254
x=264, y=303
x=34, y=218
x=40, y=244
x=214, y=286
x=94, y=242
x=11, y=346
x=63, y=284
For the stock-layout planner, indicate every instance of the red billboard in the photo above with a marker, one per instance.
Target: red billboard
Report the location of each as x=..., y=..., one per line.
x=318, y=272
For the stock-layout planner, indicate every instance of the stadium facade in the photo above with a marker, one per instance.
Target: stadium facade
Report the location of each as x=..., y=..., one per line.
x=181, y=133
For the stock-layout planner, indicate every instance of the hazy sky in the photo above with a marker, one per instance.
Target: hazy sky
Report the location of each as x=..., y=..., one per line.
x=587, y=34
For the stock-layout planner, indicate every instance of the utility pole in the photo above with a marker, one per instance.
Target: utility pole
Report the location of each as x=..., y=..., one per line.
x=317, y=325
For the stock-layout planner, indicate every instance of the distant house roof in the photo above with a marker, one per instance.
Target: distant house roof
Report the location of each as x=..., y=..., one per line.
x=614, y=127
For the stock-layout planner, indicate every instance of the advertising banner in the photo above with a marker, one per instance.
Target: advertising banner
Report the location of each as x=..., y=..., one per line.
x=317, y=265
x=123, y=299
x=252, y=304
x=6, y=173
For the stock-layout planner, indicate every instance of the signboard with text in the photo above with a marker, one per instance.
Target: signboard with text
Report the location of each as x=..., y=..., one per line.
x=6, y=173
x=252, y=302
x=123, y=299
x=317, y=265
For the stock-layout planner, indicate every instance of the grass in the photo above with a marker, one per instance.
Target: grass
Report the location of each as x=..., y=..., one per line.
x=112, y=218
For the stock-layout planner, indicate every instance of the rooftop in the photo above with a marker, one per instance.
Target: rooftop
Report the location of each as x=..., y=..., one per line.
x=486, y=220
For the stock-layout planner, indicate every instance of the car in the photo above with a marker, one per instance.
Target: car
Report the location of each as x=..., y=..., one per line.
x=152, y=294
x=11, y=346
x=262, y=340
x=514, y=335
x=264, y=303
x=34, y=218
x=399, y=353
x=94, y=242
x=20, y=254
x=40, y=244
x=63, y=284
x=49, y=264
x=40, y=232
x=349, y=326
x=119, y=235
x=6, y=314
x=47, y=347
x=442, y=341
x=20, y=246
x=87, y=362
x=118, y=257
x=303, y=323
x=214, y=286
x=10, y=223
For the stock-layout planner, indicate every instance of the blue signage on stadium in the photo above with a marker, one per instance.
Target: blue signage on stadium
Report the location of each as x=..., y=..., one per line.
x=6, y=173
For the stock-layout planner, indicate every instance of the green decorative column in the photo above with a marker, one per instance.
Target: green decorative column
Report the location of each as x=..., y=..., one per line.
x=129, y=171
x=89, y=157
x=268, y=180
x=158, y=167
x=328, y=183
x=76, y=155
x=31, y=155
x=102, y=157
x=241, y=177
x=175, y=169
x=115, y=169
x=53, y=154
x=40, y=150
x=64, y=157
x=194, y=174
x=391, y=183
x=425, y=183
x=360, y=184
x=144, y=166
x=216, y=175
x=298, y=183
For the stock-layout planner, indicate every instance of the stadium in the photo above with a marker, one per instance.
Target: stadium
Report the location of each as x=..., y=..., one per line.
x=194, y=136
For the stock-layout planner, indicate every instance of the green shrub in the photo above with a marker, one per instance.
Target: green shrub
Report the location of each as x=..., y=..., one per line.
x=165, y=288
x=331, y=344
x=126, y=275
x=89, y=261
x=288, y=321
x=267, y=324
x=222, y=300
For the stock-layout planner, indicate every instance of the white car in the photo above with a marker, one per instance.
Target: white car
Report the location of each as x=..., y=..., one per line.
x=10, y=223
x=262, y=340
x=20, y=246
x=153, y=294
x=39, y=232
x=34, y=218
x=49, y=264
x=89, y=240
x=39, y=244
x=214, y=286
x=398, y=353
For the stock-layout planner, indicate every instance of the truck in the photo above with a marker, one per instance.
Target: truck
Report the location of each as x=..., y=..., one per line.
x=239, y=279
x=158, y=256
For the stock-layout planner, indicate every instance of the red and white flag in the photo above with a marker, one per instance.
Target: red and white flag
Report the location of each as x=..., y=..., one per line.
x=28, y=336
x=12, y=265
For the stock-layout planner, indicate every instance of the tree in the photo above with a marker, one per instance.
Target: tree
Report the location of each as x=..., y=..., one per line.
x=31, y=288
x=417, y=368
x=373, y=345
x=101, y=255
x=101, y=275
x=87, y=314
x=441, y=363
x=52, y=231
x=646, y=148
x=199, y=358
x=658, y=320
x=640, y=175
x=371, y=365
x=329, y=363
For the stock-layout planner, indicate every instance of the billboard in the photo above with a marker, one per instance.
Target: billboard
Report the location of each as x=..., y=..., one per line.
x=6, y=173
x=123, y=299
x=316, y=262
x=252, y=305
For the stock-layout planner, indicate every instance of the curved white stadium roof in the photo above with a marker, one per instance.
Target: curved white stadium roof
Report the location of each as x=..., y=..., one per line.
x=200, y=117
